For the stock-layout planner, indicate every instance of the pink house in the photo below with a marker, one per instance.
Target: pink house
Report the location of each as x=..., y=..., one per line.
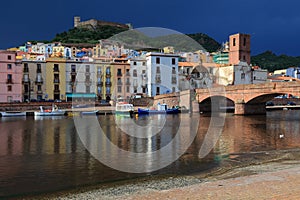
x=10, y=77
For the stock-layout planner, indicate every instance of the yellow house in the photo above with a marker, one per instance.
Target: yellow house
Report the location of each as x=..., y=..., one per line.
x=58, y=51
x=55, y=79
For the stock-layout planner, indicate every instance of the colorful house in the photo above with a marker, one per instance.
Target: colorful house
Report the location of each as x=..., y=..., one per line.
x=10, y=77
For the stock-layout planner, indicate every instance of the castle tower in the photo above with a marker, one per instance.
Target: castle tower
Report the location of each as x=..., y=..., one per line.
x=239, y=48
x=76, y=21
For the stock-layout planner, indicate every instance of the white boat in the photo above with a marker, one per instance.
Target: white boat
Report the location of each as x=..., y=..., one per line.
x=13, y=114
x=124, y=108
x=53, y=112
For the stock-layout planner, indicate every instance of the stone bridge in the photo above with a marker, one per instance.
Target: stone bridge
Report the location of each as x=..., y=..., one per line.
x=246, y=99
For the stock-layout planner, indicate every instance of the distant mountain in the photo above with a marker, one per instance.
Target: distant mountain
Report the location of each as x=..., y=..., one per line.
x=270, y=61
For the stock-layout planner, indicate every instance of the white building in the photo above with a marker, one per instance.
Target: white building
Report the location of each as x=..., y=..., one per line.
x=162, y=73
x=138, y=69
x=80, y=80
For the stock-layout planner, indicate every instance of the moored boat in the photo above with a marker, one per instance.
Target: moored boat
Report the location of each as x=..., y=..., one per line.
x=124, y=108
x=13, y=114
x=161, y=109
x=53, y=112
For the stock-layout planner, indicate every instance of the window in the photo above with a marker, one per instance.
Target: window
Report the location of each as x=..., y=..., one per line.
x=243, y=76
x=135, y=90
x=56, y=68
x=173, y=89
x=8, y=66
x=73, y=68
x=173, y=70
x=9, y=78
x=99, y=89
x=9, y=88
x=56, y=87
x=144, y=63
x=38, y=68
x=56, y=78
x=108, y=70
x=157, y=70
x=244, y=58
x=157, y=60
x=119, y=89
x=87, y=68
x=119, y=72
x=108, y=90
x=127, y=89
x=244, y=41
x=134, y=63
x=39, y=87
x=9, y=57
x=233, y=44
x=99, y=70
x=25, y=69
x=87, y=89
x=157, y=90
x=144, y=89
x=134, y=73
x=173, y=61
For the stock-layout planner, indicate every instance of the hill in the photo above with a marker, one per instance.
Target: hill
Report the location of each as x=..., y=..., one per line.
x=182, y=42
x=270, y=61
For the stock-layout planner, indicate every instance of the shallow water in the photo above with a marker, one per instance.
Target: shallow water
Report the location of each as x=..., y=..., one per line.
x=47, y=154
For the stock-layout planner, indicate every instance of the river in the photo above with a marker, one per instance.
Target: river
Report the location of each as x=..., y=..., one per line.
x=47, y=154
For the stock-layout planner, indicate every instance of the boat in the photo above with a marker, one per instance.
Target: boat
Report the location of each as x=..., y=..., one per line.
x=91, y=112
x=161, y=109
x=53, y=112
x=124, y=108
x=13, y=114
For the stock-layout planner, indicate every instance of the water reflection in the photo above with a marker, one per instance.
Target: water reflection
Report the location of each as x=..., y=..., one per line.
x=48, y=151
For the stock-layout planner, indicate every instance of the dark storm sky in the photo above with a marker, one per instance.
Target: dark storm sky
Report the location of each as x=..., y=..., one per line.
x=273, y=25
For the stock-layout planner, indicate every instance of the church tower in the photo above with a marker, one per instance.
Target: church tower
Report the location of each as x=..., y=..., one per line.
x=239, y=48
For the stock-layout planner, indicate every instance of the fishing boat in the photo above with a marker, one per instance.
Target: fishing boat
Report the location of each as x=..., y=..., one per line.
x=161, y=109
x=13, y=114
x=124, y=108
x=53, y=112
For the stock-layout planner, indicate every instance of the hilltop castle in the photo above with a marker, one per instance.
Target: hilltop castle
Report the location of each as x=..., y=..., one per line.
x=93, y=23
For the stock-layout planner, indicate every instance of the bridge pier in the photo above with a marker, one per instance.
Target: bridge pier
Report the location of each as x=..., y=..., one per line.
x=249, y=109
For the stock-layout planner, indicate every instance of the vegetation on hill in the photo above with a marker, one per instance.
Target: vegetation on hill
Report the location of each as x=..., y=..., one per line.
x=207, y=42
x=270, y=61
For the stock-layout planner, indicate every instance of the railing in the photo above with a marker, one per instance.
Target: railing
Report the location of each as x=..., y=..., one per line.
x=56, y=81
x=9, y=81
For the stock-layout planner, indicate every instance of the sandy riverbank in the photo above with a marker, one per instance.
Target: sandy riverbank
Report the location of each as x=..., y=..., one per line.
x=277, y=177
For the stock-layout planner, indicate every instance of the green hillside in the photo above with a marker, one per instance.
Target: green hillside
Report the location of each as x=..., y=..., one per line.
x=180, y=42
x=270, y=61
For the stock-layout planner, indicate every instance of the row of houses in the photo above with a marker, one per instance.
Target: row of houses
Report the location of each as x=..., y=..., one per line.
x=49, y=72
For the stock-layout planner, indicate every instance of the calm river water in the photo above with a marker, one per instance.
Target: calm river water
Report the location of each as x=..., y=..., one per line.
x=48, y=154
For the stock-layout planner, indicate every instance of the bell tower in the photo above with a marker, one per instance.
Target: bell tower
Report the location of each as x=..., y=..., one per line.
x=239, y=48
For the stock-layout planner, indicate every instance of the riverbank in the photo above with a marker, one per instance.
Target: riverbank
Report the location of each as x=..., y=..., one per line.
x=267, y=175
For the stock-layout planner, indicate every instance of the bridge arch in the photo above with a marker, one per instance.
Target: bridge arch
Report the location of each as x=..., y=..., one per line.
x=223, y=103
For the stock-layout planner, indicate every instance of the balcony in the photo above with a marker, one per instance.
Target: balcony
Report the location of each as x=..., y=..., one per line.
x=127, y=74
x=119, y=83
x=87, y=73
x=39, y=92
x=107, y=84
x=55, y=70
x=100, y=83
x=73, y=73
x=108, y=74
x=119, y=74
x=56, y=91
x=25, y=80
x=56, y=81
x=9, y=81
x=174, y=81
x=127, y=82
x=39, y=81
